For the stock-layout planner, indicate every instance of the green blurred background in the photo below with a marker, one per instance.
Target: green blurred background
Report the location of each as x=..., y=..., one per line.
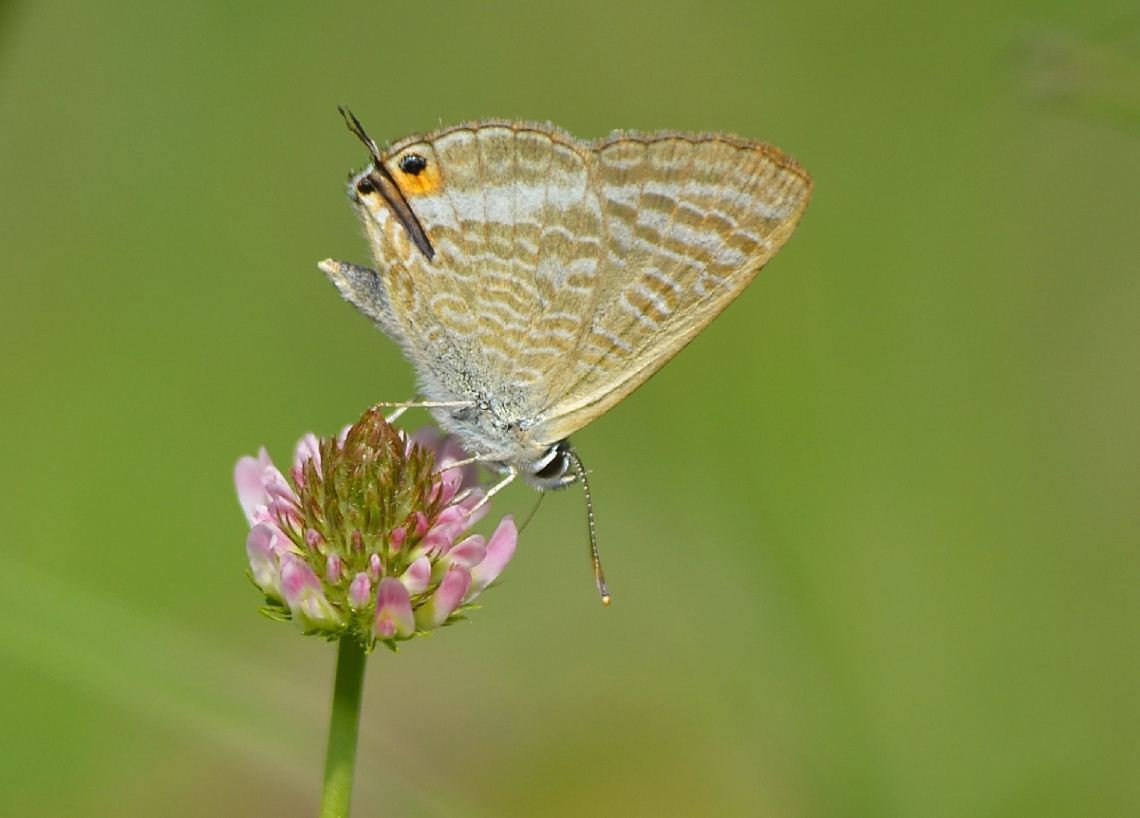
x=873, y=538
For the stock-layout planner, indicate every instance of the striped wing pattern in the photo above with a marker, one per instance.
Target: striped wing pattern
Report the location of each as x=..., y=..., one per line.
x=566, y=273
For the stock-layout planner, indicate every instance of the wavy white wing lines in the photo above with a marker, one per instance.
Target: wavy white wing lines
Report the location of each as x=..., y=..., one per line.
x=710, y=212
x=566, y=273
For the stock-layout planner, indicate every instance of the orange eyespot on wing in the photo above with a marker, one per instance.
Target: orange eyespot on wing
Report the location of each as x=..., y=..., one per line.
x=416, y=173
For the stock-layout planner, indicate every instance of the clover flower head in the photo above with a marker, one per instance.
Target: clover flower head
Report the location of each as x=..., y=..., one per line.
x=368, y=533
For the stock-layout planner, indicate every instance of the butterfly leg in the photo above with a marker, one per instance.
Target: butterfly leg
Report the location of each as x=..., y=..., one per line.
x=396, y=415
x=427, y=404
x=421, y=404
x=467, y=461
x=512, y=473
x=502, y=484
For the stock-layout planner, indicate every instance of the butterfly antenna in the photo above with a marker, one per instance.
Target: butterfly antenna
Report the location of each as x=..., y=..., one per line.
x=599, y=576
x=358, y=129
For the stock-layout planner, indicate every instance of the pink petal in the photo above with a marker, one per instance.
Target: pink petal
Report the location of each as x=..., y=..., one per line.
x=262, y=490
x=297, y=579
x=475, y=507
x=305, y=597
x=447, y=450
x=261, y=514
x=445, y=600
x=277, y=487
x=250, y=487
x=418, y=575
x=454, y=520
x=308, y=448
x=394, y=617
x=263, y=558
x=334, y=569
x=427, y=437
x=500, y=549
x=360, y=591
x=435, y=541
x=460, y=477
x=284, y=510
x=280, y=543
x=450, y=521
x=468, y=553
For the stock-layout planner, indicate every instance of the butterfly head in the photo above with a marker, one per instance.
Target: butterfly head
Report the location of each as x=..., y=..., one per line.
x=384, y=186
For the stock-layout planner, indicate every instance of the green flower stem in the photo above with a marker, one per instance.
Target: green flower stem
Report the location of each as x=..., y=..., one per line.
x=344, y=726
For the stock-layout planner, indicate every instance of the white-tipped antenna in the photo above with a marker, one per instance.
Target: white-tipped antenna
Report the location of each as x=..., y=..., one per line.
x=599, y=576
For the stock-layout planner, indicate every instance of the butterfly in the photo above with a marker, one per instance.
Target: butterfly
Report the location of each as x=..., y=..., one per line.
x=534, y=280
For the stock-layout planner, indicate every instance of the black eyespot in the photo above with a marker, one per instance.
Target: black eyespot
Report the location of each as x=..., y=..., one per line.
x=413, y=164
x=365, y=186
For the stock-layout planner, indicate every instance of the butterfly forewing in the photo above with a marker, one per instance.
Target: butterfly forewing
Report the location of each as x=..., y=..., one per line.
x=514, y=221
x=448, y=198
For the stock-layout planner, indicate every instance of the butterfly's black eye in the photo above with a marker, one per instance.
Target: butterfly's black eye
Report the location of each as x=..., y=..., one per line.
x=365, y=186
x=412, y=164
